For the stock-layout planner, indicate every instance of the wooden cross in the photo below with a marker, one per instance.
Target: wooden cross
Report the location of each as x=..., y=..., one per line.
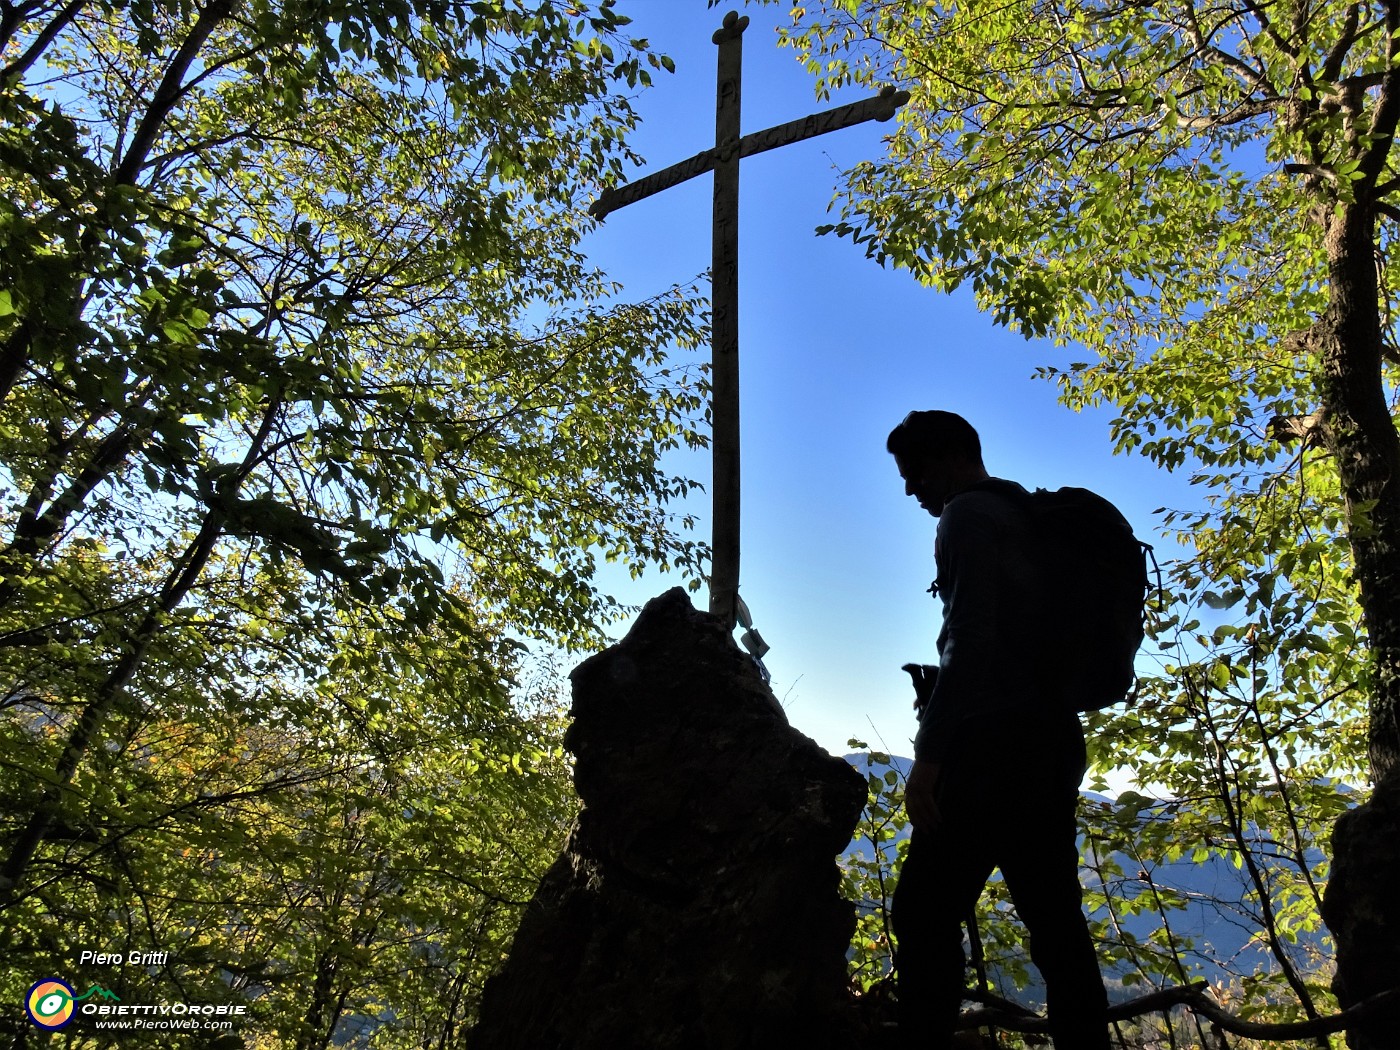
x=723, y=160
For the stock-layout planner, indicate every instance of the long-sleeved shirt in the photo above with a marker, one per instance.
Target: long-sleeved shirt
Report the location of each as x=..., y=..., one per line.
x=986, y=583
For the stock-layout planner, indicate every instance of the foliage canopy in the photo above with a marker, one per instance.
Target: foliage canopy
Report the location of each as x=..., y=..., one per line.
x=1203, y=197
x=312, y=411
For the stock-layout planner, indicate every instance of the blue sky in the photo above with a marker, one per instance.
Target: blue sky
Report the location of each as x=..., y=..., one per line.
x=834, y=351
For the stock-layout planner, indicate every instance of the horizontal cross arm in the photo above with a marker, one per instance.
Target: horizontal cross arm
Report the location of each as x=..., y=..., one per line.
x=878, y=107
x=629, y=193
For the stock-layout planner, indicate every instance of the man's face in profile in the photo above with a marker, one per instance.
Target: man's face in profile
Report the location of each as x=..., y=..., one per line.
x=929, y=481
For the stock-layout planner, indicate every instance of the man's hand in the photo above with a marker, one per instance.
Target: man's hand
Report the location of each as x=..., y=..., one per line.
x=924, y=676
x=921, y=796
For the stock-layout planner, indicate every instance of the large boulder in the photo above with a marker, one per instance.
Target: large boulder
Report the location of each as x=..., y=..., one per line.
x=696, y=903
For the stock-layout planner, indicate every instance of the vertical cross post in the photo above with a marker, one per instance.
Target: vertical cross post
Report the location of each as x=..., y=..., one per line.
x=724, y=329
x=723, y=159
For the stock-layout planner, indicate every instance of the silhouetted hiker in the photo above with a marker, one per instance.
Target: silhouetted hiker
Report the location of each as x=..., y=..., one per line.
x=997, y=764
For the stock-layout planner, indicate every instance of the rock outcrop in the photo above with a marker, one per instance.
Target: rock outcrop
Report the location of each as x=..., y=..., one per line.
x=696, y=904
x=1362, y=908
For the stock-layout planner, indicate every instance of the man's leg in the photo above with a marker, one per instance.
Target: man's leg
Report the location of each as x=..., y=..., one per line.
x=939, y=883
x=1040, y=864
x=1047, y=895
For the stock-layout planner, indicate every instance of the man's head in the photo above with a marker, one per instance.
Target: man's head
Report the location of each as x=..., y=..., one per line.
x=938, y=455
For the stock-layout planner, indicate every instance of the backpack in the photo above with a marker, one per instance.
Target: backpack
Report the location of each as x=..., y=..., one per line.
x=1089, y=611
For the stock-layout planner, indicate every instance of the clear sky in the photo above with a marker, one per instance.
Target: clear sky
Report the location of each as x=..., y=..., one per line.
x=834, y=351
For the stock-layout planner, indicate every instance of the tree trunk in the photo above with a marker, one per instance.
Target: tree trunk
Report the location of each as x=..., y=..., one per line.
x=1361, y=906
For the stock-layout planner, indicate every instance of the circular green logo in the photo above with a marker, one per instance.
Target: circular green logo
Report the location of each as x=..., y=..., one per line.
x=50, y=1003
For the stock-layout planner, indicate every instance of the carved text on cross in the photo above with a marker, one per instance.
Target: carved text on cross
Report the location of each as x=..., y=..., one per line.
x=723, y=160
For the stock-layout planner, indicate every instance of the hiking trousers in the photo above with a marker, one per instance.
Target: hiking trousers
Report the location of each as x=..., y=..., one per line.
x=1008, y=796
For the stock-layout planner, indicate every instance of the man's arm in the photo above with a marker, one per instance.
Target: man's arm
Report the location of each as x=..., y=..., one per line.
x=969, y=570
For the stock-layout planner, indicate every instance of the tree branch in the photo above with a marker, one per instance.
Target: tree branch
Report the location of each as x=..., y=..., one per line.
x=9, y=21
x=1332, y=65
x=1386, y=115
x=34, y=530
x=1015, y=1018
x=1317, y=171
x=1309, y=429
x=40, y=44
x=177, y=584
x=1262, y=16
x=169, y=91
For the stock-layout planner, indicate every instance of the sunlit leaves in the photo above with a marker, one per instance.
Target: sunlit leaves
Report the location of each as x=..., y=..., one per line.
x=1163, y=185
x=869, y=870
x=313, y=410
